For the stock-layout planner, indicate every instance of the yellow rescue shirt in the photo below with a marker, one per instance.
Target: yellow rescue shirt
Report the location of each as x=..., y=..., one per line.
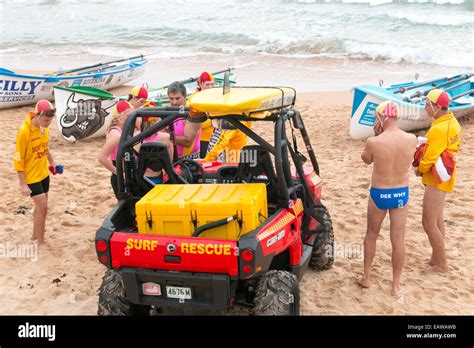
x=232, y=140
x=206, y=130
x=444, y=134
x=31, y=154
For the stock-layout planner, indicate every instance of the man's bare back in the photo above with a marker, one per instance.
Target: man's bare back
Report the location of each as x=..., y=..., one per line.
x=392, y=153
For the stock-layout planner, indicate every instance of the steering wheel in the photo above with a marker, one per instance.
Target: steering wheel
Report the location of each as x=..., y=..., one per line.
x=191, y=170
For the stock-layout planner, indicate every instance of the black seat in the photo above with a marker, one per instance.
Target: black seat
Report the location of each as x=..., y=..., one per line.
x=156, y=157
x=255, y=161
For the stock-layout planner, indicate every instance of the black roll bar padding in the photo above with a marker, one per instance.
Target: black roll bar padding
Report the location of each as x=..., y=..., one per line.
x=285, y=162
x=127, y=140
x=284, y=200
x=304, y=134
x=309, y=201
x=252, y=135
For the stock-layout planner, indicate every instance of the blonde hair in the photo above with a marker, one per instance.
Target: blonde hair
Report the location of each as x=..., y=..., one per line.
x=115, y=122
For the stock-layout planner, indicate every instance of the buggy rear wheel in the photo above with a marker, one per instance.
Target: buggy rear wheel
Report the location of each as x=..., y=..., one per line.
x=112, y=298
x=277, y=293
x=322, y=257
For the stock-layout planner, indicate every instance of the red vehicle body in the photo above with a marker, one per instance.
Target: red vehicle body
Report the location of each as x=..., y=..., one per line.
x=216, y=273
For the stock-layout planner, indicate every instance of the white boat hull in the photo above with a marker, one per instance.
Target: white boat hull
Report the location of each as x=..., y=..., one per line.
x=19, y=89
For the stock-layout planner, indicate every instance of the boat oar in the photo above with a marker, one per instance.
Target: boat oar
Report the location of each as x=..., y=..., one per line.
x=194, y=79
x=460, y=78
x=404, y=89
x=96, y=65
x=471, y=91
x=417, y=100
x=425, y=92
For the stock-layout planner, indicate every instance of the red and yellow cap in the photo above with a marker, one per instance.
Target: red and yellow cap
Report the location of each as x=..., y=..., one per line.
x=439, y=97
x=139, y=92
x=387, y=109
x=121, y=106
x=43, y=105
x=205, y=76
x=149, y=104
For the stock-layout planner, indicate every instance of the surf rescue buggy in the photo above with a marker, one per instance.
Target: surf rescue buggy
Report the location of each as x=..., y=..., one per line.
x=216, y=235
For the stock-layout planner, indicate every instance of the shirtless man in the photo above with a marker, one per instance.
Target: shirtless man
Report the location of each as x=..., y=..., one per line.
x=391, y=151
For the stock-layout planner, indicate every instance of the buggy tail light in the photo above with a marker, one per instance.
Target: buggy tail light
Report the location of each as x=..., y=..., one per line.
x=101, y=245
x=247, y=255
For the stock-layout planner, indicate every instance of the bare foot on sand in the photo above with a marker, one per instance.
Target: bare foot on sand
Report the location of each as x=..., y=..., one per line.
x=431, y=262
x=397, y=290
x=364, y=282
x=435, y=269
x=33, y=236
x=43, y=247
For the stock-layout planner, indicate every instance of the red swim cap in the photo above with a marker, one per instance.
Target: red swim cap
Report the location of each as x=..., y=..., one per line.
x=139, y=92
x=43, y=105
x=121, y=106
x=388, y=109
x=205, y=76
x=439, y=97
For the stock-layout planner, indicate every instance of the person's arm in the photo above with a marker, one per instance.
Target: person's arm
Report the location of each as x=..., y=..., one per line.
x=25, y=190
x=165, y=138
x=190, y=132
x=111, y=141
x=220, y=145
x=51, y=161
x=435, y=146
x=367, y=155
x=19, y=161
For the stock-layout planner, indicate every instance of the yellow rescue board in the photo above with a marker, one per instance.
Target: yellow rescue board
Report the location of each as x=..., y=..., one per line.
x=241, y=100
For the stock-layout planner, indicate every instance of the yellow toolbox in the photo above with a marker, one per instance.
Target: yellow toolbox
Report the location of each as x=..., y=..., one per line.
x=179, y=209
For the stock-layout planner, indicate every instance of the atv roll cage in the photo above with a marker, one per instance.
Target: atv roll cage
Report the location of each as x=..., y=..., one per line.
x=126, y=154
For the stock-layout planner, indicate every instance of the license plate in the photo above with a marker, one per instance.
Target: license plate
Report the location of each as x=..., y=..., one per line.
x=151, y=289
x=178, y=292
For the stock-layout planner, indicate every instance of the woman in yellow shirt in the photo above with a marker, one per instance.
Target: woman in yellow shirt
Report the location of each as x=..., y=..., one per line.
x=444, y=135
x=31, y=163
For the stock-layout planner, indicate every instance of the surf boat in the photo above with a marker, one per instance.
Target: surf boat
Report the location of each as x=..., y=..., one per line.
x=410, y=98
x=17, y=89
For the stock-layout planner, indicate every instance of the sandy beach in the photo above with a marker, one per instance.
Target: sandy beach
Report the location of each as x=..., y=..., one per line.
x=65, y=279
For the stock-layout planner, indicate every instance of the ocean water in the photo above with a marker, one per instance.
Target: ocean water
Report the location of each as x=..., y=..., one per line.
x=437, y=32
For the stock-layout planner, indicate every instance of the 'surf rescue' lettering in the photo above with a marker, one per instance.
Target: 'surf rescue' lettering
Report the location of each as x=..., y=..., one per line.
x=208, y=249
x=141, y=244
